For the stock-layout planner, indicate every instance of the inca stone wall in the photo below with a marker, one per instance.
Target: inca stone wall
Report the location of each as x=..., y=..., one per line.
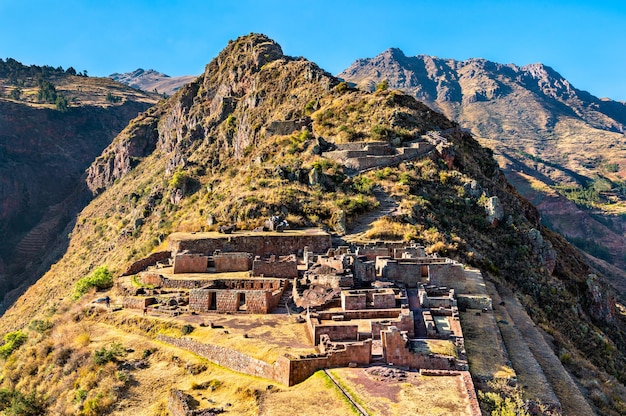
x=158, y=280
x=229, y=300
x=335, y=332
x=404, y=322
x=451, y=275
x=287, y=371
x=177, y=403
x=234, y=360
x=190, y=263
x=232, y=262
x=396, y=352
x=151, y=260
x=137, y=302
x=352, y=301
x=259, y=245
x=286, y=269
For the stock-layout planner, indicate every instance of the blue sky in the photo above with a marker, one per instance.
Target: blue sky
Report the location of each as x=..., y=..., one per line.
x=583, y=40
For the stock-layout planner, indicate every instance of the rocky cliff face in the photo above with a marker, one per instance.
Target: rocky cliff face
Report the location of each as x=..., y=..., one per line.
x=233, y=89
x=552, y=140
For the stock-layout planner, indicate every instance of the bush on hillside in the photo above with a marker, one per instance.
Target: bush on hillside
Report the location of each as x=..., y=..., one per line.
x=101, y=278
x=12, y=341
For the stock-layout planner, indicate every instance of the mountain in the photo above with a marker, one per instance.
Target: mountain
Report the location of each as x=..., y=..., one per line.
x=253, y=137
x=152, y=81
x=562, y=148
x=46, y=143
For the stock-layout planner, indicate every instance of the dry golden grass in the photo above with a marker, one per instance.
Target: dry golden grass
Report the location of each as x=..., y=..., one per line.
x=268, y=336
x=385, y=229
x=435, y=346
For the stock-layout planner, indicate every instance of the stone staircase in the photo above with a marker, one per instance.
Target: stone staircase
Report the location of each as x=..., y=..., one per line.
x=286, y=298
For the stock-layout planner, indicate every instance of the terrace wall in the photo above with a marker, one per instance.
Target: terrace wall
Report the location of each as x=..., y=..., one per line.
x=258, y=245
x=287, y=371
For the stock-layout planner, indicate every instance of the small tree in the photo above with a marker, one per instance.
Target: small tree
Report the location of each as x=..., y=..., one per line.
x=383, y=86
x=16, y=93
x=46, y=93
x=61, y=103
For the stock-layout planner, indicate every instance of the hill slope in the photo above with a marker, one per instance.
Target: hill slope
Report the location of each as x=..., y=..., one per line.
x=562, y=148
x=44, y=150
x=151, y=80
x=243, y=142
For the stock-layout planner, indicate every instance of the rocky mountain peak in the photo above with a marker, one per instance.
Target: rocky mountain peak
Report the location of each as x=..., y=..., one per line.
x=549, y=82
x=242, y=91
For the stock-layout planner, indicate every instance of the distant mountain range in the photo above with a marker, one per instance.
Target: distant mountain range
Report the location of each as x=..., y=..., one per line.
x=563, y=148
x=152, y=81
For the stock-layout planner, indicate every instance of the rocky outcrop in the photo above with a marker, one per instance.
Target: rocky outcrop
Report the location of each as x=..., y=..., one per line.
x=543, y=249
x=225, y=105
x=494, y=210
x=603, y=300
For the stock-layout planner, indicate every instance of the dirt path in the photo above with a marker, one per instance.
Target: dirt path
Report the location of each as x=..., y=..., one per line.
x=387, y=206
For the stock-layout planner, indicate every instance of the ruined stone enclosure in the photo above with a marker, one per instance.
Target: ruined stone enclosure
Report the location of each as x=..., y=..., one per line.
x=381, y=304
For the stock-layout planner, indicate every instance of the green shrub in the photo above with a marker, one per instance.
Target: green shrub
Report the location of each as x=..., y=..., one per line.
x=113, y=98
x=101, y=278
x=179, y=180
x=187, y=329
x=40, y=325
x=383, y=86
x=12, y=341
x=13, y=402
x=363, y=185
x=61, y=103
x=105, y=355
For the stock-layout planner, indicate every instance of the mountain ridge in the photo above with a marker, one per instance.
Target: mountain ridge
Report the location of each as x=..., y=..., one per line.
x=152, y=81
x=247, y=140
x=551, y=139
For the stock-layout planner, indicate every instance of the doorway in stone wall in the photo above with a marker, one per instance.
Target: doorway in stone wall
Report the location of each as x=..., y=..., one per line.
x=212, y=301
x=241, y=301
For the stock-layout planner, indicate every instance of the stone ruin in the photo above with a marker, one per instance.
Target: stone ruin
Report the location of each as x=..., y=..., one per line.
x=382, y=303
